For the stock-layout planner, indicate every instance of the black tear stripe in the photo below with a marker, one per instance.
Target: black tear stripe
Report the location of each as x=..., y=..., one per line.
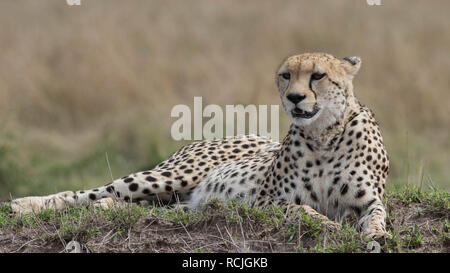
x=310, y=81
x=312, y=90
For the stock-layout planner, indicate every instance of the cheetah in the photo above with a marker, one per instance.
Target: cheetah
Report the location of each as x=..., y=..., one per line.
x=331, y=163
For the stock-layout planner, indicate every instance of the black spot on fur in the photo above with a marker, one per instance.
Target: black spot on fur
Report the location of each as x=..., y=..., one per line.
x=330, y=191
x=133, y=187
x=357, y=210
x=128, y=180
x=308, y=186
x=150, y=179
x=344, y=189
x=336, y=180
x=360, y=193
x=371, y=202
x=314, y=196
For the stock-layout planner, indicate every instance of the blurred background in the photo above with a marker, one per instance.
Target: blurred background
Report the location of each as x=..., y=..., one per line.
x=86, y=91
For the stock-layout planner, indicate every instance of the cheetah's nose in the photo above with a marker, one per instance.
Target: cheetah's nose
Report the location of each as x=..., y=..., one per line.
x=295, y=97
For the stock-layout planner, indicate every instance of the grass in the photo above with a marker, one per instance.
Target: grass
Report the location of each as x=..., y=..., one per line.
x=418, y=222
x=431, y=199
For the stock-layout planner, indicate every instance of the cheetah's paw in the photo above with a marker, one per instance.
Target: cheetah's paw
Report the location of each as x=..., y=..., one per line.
x=377, y=235
x=104, y=203
x=332, y=225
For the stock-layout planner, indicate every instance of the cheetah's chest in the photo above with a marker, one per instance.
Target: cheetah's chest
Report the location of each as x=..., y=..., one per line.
x=314, y=180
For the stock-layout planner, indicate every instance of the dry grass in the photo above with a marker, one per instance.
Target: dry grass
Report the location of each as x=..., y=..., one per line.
x=73, y=78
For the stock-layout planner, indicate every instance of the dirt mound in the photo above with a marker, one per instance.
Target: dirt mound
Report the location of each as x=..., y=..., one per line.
x=418, y=222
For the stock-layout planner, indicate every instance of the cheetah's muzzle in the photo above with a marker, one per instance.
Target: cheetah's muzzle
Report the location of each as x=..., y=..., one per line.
x=299, y=113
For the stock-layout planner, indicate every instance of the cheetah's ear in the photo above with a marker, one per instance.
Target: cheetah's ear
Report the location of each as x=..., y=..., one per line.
x=352, y=65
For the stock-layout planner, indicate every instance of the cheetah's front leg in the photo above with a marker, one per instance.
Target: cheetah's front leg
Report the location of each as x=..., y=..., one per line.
x=298, y=210
x=372, y=220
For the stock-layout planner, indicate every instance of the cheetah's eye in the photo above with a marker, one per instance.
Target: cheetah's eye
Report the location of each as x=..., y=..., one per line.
x=317, y=76
x=286, y=75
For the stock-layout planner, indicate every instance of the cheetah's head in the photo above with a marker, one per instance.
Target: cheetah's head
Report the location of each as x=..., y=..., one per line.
x=315, y=88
